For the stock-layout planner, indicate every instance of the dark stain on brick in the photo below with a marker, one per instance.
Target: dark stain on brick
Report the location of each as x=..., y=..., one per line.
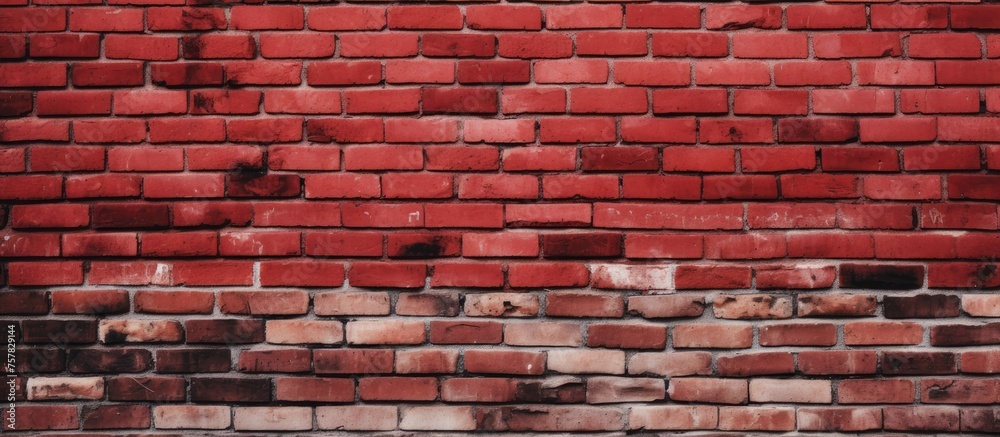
x=115, y=337
x=492, y=419
x=120, y=216
x=424, y=245
x=882, y=277
x=582, y=245
x=14, y=104
x=109, y=361
x=804, y=130
x=234, y=390
x=921, y=306
x=202, y=104
x=192, y=360
x=247, y=171
x=442, y=304
x=985, y=274
x=966, y=335
x=225, y=331
x=192, y=50
x=918, y=363
x=569, y=392
x=422, y=250
x=985, y=419
x=253, y=183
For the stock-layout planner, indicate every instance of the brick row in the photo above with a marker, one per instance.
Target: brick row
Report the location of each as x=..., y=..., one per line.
x=510, y=244
x=251, y=163
x=557, y=304
x=247, y=184
x=497, y=17
x=515, y=418
x=591, y=129
x=29, y=221
x=530, y=418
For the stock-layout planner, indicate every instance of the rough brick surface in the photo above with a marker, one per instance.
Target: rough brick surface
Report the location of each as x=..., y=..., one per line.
x=253, y=217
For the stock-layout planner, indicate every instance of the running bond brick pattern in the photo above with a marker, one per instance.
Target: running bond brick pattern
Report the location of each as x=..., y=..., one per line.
x=220, y=217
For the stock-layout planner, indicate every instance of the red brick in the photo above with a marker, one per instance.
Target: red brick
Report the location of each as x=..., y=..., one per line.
x=873, y=391
x=186, y=74
x=583, y=17
x=267, y=17
x=419, y=71
x=547, y=275
x=699, y=101
x=181, y=19
x=732, y=130
x=611, y=43
x=427, y=361
x=104, y=19
x=458, y=44
x=478, y=390
x=483, y=72
x=466, y=332
x=662, y=16
x=459, y=101
x=428, y=303
x=539, y=159
x=174, y=302
x=732, y=73
x=390, y=45
x=263, y=73
x=475, y=215
x=921, y=418
x=398, y=389
x=584, y=305
x=709, y=390
x=767, y=363
x=347, y=18
x=826, y=17
x=752, y=307
x=857, y=45
x=467, y=275
x=626, y=336
x=264, y=302
x=141, y=47
x=314, y=389
x=64, y=46
x=497, y=187
x=504, y=362
x=690, y=44
x=571, y=71
x=424, y=17
x=504, y=17
x=812, y=73
x=530, y=45
x=673, y=417
x=770, y=46
x=909, y=16
x=365, y=274
x=351, y=303
x=533, y=100
x=364, y=361
x=727, y=17
x=712, y=336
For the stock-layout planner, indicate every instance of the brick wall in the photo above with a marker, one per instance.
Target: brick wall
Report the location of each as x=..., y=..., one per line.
x=502, y=217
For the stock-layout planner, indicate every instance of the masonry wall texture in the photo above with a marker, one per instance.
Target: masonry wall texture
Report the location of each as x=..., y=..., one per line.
x=220, y=217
